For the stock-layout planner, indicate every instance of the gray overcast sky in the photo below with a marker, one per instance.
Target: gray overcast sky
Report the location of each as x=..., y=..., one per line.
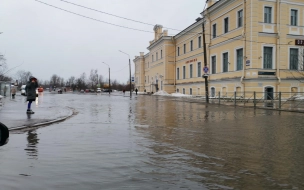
x=50, y=41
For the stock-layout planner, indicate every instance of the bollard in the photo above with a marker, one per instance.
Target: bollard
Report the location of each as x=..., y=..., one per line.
x=234, y=97
x=219, y=97
x=254, y=99
x=280, y=98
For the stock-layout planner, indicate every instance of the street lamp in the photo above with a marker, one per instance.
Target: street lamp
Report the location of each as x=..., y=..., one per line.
x=109, y=78
x=129, y=70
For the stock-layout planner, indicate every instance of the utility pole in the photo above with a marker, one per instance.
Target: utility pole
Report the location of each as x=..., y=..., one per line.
x=109, y=82
x=130, y=77
x=205, y=64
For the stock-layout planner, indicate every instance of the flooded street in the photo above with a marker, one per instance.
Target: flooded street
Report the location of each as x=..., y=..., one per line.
x=151, y=142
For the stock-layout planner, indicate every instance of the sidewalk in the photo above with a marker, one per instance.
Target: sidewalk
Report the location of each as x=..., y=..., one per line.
x=13, y=113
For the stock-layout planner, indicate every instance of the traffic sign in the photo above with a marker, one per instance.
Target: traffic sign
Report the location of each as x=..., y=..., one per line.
x=206, y=69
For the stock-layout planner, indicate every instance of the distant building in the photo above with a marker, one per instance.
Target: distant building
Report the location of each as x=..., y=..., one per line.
x=251, y=46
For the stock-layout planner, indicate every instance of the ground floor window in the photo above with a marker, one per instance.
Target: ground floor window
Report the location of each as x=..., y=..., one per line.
x=212, y=92
x=177, y=90
x=183, y=91
x=190, y=91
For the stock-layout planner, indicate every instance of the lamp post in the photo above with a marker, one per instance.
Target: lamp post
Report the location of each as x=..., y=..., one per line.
x=129, y=70
x=109, y=78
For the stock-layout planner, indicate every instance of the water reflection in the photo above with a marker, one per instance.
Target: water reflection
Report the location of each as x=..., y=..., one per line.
x=229, y=148
x=32, y=139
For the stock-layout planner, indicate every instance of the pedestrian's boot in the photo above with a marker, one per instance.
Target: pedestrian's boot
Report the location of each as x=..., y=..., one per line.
x=30, y=112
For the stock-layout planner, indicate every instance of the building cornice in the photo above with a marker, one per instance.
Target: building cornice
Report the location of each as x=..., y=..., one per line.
x=163, y=38
x=189, y=28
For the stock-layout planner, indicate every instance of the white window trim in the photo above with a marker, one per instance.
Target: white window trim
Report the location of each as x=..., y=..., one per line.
x=237, y=18
x=185, y=72
x=190, y=70
x=198, y=42
x=222, y=68
x=272, y=15
x=216, y=31
x=178, y=73
x=299, y=51
x=214, y=91
x=298, y=16
x=211, y=64
x=224, y=25
x=235, y=57
x=197, y=68
x=273, y=55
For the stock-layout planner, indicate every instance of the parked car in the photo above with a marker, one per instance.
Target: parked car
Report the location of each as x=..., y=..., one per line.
x=87, y=90
x=98, y=90
x=23, y=90
x=92, y=90
x=106, y=90
x=81, y=91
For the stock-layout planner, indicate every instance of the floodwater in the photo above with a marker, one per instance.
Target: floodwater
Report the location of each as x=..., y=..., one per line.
x=150, y=142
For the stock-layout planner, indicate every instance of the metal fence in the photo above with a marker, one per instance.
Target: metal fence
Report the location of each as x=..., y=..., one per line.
x=291, y=101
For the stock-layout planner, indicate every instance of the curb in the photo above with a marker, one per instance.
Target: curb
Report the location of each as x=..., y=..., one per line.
x=72, y=112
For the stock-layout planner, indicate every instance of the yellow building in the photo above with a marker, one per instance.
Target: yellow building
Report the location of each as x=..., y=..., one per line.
x=251, y=46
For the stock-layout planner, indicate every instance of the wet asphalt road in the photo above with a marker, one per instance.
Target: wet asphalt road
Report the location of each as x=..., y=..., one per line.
x=150, y=142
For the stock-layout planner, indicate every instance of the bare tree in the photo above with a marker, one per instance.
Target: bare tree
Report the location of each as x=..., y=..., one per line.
x=23, y=76
x=93, y=77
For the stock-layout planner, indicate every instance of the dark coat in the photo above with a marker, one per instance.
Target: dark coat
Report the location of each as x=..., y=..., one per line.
x=30, y=90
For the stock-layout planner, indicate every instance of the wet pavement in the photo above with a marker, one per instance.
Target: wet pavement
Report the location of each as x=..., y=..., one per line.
x=13, y=112
x=152, y=142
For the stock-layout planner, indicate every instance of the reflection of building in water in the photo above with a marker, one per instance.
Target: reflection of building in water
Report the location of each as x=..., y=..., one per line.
x=32, y=139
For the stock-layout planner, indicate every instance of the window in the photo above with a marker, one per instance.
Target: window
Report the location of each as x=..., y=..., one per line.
x=145, y=79
x=240, y=18
x=184, y=48
x=199, y=69
x=239, y=59
x=177, y=51
x=267, y=58
x=267, y=14
x=152, y=58
x=199, y=42
x=294, y=59
x=190, y=91
x=212, y=92
x=177, y=90
x=191, y=45
x=226, y=25
x=177, y=73
x=191, y=70
x=156, y=56
x=148, y=79
x=183, y=91
x=161, y=54
x=213, y=64
x=214, y=31
x=294, y=17
x=225, y=62
x=184, y=72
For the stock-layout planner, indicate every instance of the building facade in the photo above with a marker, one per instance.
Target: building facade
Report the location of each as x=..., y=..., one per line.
x=251, y=45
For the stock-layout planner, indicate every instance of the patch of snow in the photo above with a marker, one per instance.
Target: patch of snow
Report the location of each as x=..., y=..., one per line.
x=180, y=95
x=161, y=93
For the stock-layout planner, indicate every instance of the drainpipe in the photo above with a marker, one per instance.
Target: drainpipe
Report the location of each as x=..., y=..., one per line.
x=172, y=38
x=278, y=42
x=244, y=35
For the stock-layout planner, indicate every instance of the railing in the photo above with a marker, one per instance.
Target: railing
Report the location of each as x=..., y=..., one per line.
x=292, y=101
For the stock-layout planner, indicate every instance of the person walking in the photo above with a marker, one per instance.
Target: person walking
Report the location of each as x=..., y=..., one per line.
x=13, y=92
x=4, y=91
x=136, y=91
x=30, y=90
x=123, y=91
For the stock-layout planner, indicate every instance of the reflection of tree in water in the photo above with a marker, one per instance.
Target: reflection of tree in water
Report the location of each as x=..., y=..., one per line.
x=32, y=139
